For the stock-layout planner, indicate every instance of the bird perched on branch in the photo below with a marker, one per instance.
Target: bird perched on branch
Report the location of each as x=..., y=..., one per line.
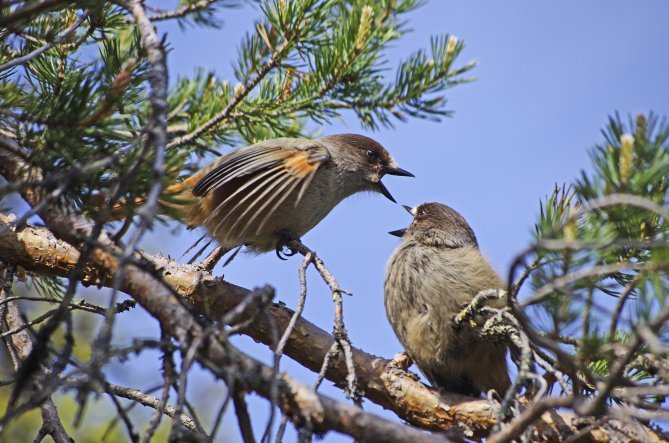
x=431, y=276
x=264, y=194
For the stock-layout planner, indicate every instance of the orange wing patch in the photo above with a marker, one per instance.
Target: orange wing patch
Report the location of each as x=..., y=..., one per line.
x=193, y=179
x=299, y=164
x=177, y=188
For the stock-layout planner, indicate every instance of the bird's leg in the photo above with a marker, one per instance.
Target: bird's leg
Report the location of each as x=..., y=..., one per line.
x=285, y=237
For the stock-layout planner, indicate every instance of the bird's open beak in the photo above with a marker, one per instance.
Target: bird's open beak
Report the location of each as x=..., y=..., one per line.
x=383, y=190
x=394, y=170
x=400, y=232
x=391, y=169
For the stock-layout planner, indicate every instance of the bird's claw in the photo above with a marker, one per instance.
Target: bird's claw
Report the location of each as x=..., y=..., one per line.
x=285, y=237
x=284, y=255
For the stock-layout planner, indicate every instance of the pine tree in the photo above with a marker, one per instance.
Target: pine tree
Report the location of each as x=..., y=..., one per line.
x=89, y=122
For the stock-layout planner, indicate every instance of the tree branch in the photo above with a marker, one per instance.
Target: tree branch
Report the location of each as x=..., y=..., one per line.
x=39, y=51
x=297, y=401
x=382, y=381
x=22, y=344
x=182, y=11
x=142, y=398
x=30, y=9
x=37, y=249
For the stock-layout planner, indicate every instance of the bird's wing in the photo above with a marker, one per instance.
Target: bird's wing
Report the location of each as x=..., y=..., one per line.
x=299, y=162
x=249, y=180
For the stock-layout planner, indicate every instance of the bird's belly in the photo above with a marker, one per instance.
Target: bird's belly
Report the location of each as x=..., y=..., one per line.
x=419, y=314
x=258, y=230
x=422, y=340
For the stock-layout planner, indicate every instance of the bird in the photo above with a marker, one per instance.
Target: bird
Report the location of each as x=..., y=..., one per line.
x=436, y=270
x=263, y=195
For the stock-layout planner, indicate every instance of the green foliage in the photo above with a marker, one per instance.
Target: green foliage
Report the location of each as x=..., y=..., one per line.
x=79, y=110
x=48, y=287
x=304, y=63
x=635, y=161
x=601, y=254
x=70, y=112
x=311, y=60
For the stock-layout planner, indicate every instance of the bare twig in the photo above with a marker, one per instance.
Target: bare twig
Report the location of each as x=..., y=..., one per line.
x=122, y=413
x=278, y=352
x=243, y=418
x=158, y=79
x=572, y=277
x=9, y=144
x=187, y=358
x=383, y=383
x=209, y=263
x=475, y=305
x=528, y=417
x=628, y=200
x=282, y=429
x=620, y=304
x=151, y=401
x=300, y=306
x=168, y=379
x=332, y=353
x=21, y=343
x=219, y=416
x=339, y=330
x=26, y=325
x=180, y=12
x=156, y=138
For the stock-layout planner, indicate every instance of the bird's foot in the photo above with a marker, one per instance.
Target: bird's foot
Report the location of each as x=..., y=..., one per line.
x=283, y=251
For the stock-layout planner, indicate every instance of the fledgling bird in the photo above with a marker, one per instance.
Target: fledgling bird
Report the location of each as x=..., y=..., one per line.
x=437, y=270
x=257, y=195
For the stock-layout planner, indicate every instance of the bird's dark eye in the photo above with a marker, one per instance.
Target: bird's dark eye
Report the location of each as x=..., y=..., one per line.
x=421, y=214
x=372, y=156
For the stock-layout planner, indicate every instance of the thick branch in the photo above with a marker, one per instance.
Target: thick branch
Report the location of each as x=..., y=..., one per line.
x=36, y=249
x=297, y=400
x=30, y=9
x=382, y=381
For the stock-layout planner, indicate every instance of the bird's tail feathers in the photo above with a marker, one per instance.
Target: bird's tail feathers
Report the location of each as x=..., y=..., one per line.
x=174, y=202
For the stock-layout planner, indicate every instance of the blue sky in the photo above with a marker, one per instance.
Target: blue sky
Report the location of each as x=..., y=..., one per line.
x=548, y=76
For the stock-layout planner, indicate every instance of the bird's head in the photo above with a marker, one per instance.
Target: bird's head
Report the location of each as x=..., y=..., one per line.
x=438, y=224
x=365, y=160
